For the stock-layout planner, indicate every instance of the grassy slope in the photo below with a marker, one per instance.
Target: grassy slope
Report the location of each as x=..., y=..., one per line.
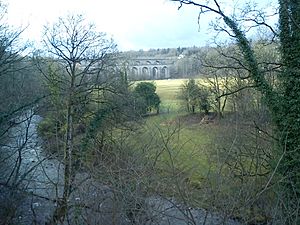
x=187, y=146
x=194, y=141
x=190, y=143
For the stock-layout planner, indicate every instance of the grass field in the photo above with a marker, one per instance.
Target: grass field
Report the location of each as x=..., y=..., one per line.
x=190, y=139
x=190, y=155
x=204, y=161
x=186, y=139
x=169, y=91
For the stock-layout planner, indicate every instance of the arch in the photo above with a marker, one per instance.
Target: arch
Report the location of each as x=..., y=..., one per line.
x=145, y=71
x=148, y=62
x=154, y=72
x=157, y=62
x=137, y=62
x=135, y=71
x=164, y=72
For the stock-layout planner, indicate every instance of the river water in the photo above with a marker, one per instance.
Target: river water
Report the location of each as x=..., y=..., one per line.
x=31, y=181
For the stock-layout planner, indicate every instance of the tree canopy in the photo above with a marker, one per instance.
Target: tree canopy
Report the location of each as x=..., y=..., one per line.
x=147, y=97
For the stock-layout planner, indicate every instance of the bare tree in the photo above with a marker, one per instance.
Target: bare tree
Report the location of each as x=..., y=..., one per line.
x=13, y=60
x=283, y=103
x=84, y=57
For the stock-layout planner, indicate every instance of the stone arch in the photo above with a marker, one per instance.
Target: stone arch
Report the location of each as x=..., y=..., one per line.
x=154, y=72
x=164, y=72
x=135, y=71
x=148, y=62
x=145, y=70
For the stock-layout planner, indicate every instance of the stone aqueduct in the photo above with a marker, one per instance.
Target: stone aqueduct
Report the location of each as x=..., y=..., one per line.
x=150, y=68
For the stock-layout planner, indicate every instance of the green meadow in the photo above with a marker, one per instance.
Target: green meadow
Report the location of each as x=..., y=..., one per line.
x=187, y=143
x=183, y=137
x=190, y=152
x=168, y=91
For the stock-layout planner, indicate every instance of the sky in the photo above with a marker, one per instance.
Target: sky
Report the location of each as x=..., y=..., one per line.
x=133, y=24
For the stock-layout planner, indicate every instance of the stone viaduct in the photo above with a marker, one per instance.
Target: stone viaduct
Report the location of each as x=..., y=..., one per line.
x=150, y=68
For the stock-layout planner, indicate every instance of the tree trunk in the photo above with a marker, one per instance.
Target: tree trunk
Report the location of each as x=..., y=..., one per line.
x=62, y=207
x=287, y=120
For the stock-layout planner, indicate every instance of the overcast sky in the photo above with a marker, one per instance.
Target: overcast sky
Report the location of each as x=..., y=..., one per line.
x=133, y=24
